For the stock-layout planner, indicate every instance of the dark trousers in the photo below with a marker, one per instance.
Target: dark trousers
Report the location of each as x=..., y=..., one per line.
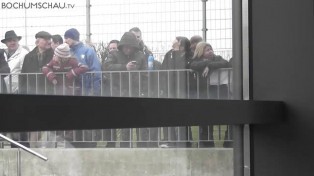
x=110, y=136
x=206, y=132
x=147, y=137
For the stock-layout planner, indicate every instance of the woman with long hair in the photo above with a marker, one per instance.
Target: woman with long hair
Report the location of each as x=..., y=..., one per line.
x=175, y=85
x=204, y=62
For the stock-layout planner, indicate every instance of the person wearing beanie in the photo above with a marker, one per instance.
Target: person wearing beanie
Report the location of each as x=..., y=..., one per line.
x=90, y=82
x=86, y=56
x=64, y=62
x=61, y=71
x=128, y=57
x=72, y=34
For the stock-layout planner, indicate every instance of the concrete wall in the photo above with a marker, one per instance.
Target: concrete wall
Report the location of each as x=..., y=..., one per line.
x=126, y=162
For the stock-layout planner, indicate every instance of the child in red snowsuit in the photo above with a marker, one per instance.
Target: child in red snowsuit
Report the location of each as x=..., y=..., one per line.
x=62, y=71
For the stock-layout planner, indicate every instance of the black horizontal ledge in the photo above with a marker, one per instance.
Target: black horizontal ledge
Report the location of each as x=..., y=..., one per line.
x=41, y=112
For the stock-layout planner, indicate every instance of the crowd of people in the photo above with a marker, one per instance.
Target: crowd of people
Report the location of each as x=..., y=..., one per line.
x=66, y=66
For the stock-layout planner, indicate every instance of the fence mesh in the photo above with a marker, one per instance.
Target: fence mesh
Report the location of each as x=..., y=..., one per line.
x=160, y=21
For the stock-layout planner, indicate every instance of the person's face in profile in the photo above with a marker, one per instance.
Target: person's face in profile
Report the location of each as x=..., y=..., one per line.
x=181, y=46
x=175, y=45
x=138, y=36
x=69, y=41
x=54, y=45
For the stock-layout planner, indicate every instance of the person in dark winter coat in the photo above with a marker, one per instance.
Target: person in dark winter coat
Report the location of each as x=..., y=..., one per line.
x=127, y=58
x=111, y=47
x=4, y=68
x=32, y=81
x=33, y=63
x=175, y=85
x=179, y=57
x=110, y=135
x=204, y=62
x=143, y=133
x=127, y=84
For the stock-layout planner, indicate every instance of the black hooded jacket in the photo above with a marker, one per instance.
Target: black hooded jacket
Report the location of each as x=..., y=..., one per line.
x=4, y=68
x=175, y=83
x=117, y=61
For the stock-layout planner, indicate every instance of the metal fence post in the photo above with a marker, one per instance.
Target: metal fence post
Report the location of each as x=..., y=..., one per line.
x=88, y=33
x=18, y=162
x=204, y=29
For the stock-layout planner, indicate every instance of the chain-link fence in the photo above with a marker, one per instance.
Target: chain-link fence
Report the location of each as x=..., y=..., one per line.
x=160, y=21
x=139, y=84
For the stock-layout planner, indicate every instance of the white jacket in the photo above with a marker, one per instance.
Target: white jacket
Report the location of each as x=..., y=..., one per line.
x=15, y=63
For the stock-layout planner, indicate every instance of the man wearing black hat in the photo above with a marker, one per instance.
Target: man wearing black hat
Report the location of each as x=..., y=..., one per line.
x=129, y=57
x=33, y=63
x=14, y=55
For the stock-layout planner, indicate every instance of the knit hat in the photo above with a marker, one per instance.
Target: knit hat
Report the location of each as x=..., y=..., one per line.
x=63, y=51
x=72, y=34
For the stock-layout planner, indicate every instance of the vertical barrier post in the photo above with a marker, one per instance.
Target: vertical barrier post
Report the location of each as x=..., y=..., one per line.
x=204, y=20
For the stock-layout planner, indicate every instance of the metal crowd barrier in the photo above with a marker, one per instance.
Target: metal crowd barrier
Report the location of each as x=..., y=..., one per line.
x=154, y=83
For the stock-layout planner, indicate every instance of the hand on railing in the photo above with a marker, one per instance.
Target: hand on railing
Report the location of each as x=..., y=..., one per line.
x=54, y=82
x=205, y=72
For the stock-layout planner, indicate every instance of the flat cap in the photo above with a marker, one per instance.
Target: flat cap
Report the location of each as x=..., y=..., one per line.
x=43, y=34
